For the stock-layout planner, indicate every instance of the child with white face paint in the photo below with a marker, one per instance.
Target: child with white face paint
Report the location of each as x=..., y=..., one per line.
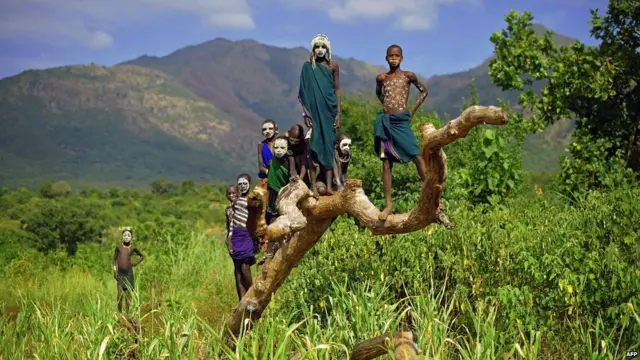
x=281, y=172
x=265, y=147
x=242, y=245
x=342, y=159
x=319, y=95
x=123, y=268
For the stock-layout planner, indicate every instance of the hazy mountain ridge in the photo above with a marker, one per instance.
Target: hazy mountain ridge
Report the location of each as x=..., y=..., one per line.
x=194, y=113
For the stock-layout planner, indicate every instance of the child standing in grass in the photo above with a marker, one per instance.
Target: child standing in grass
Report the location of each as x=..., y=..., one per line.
x=123, y=268
x=232, y=196
x=241, y=243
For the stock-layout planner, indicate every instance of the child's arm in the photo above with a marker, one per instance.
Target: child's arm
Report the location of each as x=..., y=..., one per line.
x=305, y=114
x=115, y=266
x=423, y=91
x=379, y=85
x=229, y=215
x=303, y=165
x=140, y=254
x=336, y=79
x=261, y=167
x=336, y=168
x=291, y=164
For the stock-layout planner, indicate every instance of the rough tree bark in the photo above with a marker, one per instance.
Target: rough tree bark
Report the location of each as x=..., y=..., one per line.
x=304, y=220
x=402, y=344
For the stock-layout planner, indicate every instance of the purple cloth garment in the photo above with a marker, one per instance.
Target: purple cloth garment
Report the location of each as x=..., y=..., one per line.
x=241, y=244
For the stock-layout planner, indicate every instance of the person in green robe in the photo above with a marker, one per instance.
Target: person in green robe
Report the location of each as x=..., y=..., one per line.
x=320, y=100
x=281, y=172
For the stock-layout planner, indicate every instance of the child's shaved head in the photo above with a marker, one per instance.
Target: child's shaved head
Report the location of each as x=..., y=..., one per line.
x=296, y=131
x=394, y=46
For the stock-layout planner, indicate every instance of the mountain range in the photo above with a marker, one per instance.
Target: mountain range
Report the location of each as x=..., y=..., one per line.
x=194, y=113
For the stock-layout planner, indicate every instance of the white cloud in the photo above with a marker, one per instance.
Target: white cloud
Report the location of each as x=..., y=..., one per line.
x=88, y=22
x=409, y=15
x=100, y=39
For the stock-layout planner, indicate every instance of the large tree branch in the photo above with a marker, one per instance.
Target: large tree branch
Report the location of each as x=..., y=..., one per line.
x=306, y=219
x=402, y=344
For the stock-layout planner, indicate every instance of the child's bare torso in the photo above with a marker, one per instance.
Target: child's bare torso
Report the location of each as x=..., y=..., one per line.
x=396, y=92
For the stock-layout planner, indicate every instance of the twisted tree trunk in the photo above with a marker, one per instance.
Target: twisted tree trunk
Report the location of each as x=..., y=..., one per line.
x=402, y=344
x=304, y=220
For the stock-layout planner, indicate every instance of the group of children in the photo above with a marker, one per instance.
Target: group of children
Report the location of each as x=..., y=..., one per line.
x=321, y=157
x=281, y=159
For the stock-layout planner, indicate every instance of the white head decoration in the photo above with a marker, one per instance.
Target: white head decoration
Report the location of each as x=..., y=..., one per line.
x=127, y=235
x=243, y=185
x=280, y=147
x=320, y=39
x=345, y=146
x=268, y=129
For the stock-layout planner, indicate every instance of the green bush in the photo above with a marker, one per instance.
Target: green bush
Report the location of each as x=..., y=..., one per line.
x=56, y=225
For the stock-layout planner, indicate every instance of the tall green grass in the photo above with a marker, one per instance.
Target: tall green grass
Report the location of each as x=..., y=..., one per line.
x=71, y=314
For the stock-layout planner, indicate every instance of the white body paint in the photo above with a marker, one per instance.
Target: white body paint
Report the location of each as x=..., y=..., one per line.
x=280, y=147
x=243, y=185
x=268, y=130
x=345, y=146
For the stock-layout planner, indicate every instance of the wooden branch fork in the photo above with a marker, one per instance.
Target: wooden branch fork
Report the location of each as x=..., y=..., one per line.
x=304, y=220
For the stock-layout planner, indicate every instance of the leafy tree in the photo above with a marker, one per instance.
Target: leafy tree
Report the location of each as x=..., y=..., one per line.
x=56, y=225
x=57, y=189
x=114, y=193
x=163, y=187
x=487, y=164
x=187, y=187
x=597, y=86
x=61, y=189
x=46, y=190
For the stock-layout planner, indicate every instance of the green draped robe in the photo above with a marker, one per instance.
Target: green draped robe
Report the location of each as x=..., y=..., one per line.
x=318, y=96
x=277, y=178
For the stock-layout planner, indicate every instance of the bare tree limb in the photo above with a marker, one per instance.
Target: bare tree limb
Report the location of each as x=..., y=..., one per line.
x=305, y=219
x=402, y=344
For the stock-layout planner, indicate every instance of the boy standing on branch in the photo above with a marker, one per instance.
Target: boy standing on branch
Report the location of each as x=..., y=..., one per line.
x=394, y=141
x=320, y=99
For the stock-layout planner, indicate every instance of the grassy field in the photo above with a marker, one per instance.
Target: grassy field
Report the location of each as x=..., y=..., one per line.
x=532, y=278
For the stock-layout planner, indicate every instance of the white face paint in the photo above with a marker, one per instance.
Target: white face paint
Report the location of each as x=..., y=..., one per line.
x=268, y=130
x=126, y=236
x=320, y=51
x=345, y=146
x=280, y=147
x=243, y=185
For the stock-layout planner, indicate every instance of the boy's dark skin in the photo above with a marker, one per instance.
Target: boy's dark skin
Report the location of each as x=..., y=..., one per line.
x=122, y=262
x=298, y=148
x=333, y=66
x=232, y=195
x=392, y=89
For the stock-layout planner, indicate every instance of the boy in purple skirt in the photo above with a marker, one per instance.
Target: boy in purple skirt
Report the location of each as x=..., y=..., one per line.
x=242, y=248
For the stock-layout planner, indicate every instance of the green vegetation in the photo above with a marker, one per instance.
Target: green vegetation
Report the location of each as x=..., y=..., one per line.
x=598, y=86
x=536, y=267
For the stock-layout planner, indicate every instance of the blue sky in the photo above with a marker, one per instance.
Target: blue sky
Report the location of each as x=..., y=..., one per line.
x=438, y=36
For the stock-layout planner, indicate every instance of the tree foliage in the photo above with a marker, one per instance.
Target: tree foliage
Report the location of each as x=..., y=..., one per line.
x=56, y=225
x=597, y=86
